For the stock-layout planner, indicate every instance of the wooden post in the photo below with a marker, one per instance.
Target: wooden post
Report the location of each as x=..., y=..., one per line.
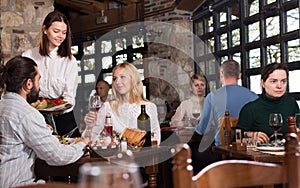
x=227, y=129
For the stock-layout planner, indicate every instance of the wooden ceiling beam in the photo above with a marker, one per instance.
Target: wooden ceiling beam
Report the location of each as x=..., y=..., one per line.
x=188, y=5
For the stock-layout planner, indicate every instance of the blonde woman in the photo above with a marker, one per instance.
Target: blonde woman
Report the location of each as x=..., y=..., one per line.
x=127, y=89
x=191, y=109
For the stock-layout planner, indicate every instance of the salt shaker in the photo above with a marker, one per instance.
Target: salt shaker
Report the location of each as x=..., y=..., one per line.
x=123, y=144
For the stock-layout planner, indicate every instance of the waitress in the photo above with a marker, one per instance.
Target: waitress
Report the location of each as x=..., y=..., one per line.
x=58, y=68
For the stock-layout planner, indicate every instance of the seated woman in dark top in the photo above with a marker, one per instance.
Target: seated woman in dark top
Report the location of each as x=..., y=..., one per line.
x=254, y=116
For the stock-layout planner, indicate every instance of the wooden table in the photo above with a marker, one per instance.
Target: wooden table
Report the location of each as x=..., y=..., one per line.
x=149, y=158
x=250, y=154
x=50, y=185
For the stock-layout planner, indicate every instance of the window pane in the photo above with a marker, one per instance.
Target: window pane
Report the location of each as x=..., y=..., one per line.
x=293, y=50
x=211, y=67
x=211, y=43
x=294, y=77
x=253, y=7
x=236, y=37
x=253, y=30
x=89, y=78
x=121, y=58
x=137, y=58
x=223, y=19
x=89, y=64
x=107, y=77
x=254, y=58
x=106, y=46
x=270, y=1
x=272, y=26
x=119, y=44
x=273, y=54
x=200, y=28
x=106, y=62
x=237, y=57
x=138, y=41
x=292, y=19
x=235, y=14
x=78, y=65
x=89, y=48
x=74, y=50
x=212, y=85
x=79, y=79
x=224, y=41
x=210, y=24
x=255, y=84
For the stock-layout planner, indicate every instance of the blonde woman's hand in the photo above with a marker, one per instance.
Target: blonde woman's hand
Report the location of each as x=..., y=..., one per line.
x=90, y=117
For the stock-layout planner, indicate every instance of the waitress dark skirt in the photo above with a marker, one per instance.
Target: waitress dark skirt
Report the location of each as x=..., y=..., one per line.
x=65, y=123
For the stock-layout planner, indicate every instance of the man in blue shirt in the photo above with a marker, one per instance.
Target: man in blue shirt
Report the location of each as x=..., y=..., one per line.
x=230, y=97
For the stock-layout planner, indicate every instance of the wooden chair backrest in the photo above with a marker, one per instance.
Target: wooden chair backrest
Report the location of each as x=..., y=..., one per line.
x=233, y=122
x=238, y=173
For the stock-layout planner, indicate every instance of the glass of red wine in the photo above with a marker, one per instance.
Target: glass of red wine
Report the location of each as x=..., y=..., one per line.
x=275, y=123
x=95, y=103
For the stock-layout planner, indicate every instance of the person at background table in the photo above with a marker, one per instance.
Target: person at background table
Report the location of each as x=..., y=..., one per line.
x=230, y=97
x=125, y=107
x=23, y=131
x=102, y=89
x=58, y=67
x=193, y=104
x=254, y=116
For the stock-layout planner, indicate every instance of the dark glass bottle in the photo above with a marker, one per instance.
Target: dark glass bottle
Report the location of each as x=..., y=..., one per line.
x=143, y=123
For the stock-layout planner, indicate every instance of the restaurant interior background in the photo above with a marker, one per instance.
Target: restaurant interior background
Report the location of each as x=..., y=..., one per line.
x=253, y=32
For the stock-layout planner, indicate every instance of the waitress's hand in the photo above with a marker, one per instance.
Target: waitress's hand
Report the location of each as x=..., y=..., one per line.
x=90, y=117
x=262, y=138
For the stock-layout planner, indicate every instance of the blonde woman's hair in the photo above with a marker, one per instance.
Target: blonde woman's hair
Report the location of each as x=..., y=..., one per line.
x=136, y=92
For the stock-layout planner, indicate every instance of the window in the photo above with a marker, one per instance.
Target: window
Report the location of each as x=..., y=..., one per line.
x=253, y=32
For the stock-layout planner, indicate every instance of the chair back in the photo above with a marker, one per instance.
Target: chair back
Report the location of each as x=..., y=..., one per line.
x=239, y=173
x=232, y=123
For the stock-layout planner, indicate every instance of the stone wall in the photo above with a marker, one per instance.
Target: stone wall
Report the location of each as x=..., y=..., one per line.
x=21, y=22
x=173, y=62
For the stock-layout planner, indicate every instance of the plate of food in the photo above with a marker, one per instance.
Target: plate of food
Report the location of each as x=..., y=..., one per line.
x=270, y=148
x=51, y=105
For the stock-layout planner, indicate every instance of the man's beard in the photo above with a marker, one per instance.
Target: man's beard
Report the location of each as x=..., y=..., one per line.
x=33, y=95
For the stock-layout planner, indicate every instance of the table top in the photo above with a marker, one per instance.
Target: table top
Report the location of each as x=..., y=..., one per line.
x=50, y=185
x=250, y=154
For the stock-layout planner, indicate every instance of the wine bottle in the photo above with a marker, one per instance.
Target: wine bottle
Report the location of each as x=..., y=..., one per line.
x=143, y=122
x=108, y=128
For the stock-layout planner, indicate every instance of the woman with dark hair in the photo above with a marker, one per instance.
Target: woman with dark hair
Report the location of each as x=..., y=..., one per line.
x=254, y=116
x=58, y=67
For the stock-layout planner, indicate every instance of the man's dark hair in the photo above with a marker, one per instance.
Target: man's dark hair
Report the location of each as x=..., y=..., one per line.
x=15, y=73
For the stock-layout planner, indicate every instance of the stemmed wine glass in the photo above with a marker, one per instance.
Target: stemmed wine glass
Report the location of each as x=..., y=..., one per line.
x=196, y=115
x=275, y=122
x=95, y=103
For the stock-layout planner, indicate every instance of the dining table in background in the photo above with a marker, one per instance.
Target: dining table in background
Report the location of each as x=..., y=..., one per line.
x=228, y=152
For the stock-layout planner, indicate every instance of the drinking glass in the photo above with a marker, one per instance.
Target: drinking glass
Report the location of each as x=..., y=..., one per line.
x=109, y=175
x=251, y=139
x=95, y=103
x=275, y=123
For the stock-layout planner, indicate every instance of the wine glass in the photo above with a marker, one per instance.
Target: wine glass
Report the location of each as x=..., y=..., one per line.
x=95, y=103
x=196, y=115
x=275, y=122
x=109, y=175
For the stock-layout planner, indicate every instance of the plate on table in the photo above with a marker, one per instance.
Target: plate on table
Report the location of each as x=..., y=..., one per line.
x=64, y=106
x=270, y=148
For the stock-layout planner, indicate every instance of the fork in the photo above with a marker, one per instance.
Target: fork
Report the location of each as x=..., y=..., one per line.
x=69, y=134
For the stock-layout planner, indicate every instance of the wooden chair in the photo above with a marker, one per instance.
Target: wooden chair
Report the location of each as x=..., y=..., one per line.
x=239, y=173
x=232, y=122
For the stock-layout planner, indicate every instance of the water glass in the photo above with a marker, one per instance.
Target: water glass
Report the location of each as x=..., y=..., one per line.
x=250, y=137
x=109, y=175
